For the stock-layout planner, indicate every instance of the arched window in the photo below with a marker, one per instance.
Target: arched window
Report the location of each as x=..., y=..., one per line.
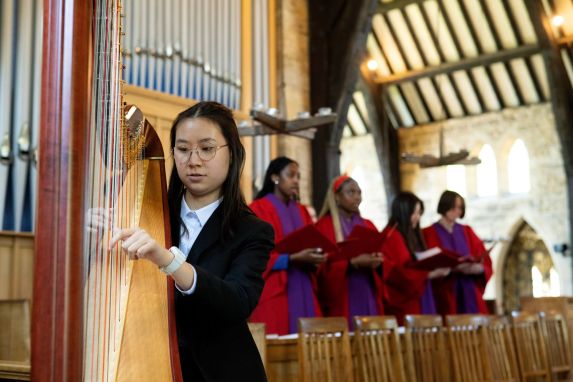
x=518, y=168
x=486, y=172
x=456, y=178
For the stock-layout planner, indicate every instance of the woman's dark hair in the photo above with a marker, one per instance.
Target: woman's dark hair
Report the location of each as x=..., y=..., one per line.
x=233, y=204
x=275, y=168
x=403, y=206
x=448, y=201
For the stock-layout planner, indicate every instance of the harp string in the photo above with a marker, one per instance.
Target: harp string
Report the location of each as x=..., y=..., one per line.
x=111, y=199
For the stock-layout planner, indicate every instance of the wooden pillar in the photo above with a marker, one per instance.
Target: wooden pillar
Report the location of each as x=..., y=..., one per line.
x=338, y=32
x=384, y=134
x=561, y=95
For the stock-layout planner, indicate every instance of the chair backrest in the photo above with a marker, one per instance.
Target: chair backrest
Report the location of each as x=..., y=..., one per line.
x=258, y=332
x=379, y=353
x=425, y=340
x=557, y=343
x=324, y=350
x=468, y=344
x=501, y=350
x=473, y=320
x=14, y=330
x=530, y=346
x=419, y=321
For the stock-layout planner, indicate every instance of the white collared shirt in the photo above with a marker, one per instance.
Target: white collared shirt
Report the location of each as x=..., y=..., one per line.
x=194, y=221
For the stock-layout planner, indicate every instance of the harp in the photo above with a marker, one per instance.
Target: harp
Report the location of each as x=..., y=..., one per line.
x=97, y=316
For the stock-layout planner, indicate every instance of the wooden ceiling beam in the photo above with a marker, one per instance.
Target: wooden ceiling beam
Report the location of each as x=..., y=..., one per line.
x=465, y=64
x=398, y=4
x=567, y=40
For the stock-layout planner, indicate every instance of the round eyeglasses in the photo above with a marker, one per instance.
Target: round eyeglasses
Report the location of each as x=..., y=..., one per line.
x=205, y=152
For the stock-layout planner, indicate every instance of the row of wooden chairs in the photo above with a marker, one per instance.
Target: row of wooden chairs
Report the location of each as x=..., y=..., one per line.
x=471, y=348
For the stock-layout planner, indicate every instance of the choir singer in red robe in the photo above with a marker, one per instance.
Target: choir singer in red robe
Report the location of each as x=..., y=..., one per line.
x=348, y=287
x=462, y=291
x=408, y=290
x=290, y=282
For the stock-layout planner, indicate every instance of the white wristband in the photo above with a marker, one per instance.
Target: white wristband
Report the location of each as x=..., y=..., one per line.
x=178, y=259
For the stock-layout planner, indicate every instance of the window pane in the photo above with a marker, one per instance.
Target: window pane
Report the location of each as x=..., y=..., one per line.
x=518, y=168
x=456, y=178
x=487, y=172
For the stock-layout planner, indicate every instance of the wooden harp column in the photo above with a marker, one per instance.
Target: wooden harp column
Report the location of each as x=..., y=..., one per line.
x=58, y=325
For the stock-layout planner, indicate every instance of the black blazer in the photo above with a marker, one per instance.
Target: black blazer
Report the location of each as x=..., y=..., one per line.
x=215, y=343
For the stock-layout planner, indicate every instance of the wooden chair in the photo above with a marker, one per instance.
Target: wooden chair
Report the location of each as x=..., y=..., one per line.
x=258, y=332
x=501, y=350
x=557, y=344
x=14, y=330
x=379, y=354
x=530, y=346
x=324, y=350
x=425, y=340
x=467, y=343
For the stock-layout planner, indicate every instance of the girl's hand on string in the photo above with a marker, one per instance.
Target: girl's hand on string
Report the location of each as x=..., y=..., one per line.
x=98, y=219
x=367, y=261
x=138, y=244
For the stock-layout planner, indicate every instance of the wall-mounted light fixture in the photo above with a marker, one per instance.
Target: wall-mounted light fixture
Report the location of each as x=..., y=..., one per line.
x=372, y=64
x=557, y=20
x=561, y=248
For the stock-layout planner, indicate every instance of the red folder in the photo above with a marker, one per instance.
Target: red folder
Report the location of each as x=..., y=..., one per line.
x=303, y=238
x=351, y=248
x=361, y=240
x=442, y=259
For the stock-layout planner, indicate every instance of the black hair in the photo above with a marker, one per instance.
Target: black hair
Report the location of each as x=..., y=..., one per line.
x=403, y=206
x=233, y=204
x=275, y=168
x=448, y=201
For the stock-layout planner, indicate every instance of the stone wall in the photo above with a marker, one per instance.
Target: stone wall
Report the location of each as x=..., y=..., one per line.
x=360, y=161
x=544, y=207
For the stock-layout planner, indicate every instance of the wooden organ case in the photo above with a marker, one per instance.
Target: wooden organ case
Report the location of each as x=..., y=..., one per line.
x=97, y=315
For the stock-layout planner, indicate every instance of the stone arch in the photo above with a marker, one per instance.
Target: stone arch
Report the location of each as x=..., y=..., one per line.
x=524, y=248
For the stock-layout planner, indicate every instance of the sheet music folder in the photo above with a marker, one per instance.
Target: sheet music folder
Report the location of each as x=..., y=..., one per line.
x=360, y=241
x=306, y=237
x=438, y=258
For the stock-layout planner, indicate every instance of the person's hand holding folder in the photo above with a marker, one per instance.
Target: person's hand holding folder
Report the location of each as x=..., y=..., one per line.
x=306, y=245
x=470, y=268
x=362, y=248
x=311, y=256
x=367, y=260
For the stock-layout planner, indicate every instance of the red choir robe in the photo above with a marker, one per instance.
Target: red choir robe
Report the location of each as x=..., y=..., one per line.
x=444, y=288
x=404, y=286
x=272, y=308
x=333, y=280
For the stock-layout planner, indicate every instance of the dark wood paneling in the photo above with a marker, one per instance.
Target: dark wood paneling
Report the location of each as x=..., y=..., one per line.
x=338, y=32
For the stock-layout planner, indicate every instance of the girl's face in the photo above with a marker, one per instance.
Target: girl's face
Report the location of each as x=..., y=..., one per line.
x=416, y=215
x=349, y=197
x=455, y=212
x=288, y=181
x=202, y=159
